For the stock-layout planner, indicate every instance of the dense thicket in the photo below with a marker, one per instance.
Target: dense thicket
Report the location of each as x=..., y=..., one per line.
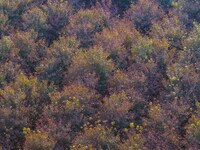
x=99, y=74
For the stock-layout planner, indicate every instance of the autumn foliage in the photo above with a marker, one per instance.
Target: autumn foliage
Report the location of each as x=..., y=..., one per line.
x=99, y=74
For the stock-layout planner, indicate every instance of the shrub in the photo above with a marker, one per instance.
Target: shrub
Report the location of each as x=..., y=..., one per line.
x=143, y=50
x=67, y=113
x=193, y=127
x=71, y=106
x=21, y=105
x=58, y=14
x=184, y=82
x=38, y=141
x=192, y=42
x=90, y=80
x=85, y=24
x=134, y=142
x=3, y=23
x=123, y=4
x=8, y=72
x=193, y=133
x=143, y=14
x=89, y=61
x=131, y=80
x=116, y=107
x=98, y=137
x=170, y=29
x=58, y=59
x=14, y=10
x=166, y=122
x=147, y=50
x=58, y=17
x=119, y=82
x=76, y=91
x=48, y=20
x=6, y=44
x=191, y=8
x=117, y=41
x=36, y=19
x=13, y=118
x=29, y=91
x=26, y=50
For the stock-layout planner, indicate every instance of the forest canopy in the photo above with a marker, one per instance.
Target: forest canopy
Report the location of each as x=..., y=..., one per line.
x=99, y=74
